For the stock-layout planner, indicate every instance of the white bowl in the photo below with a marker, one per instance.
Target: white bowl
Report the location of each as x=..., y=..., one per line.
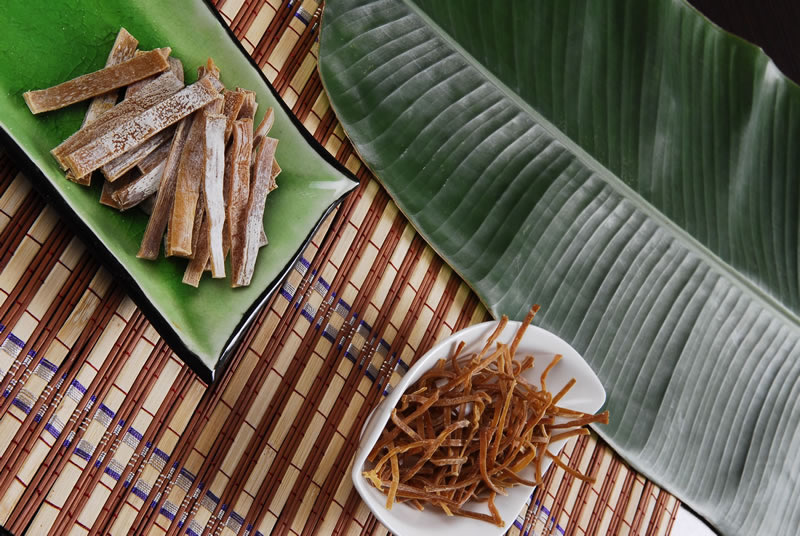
x=587, y=395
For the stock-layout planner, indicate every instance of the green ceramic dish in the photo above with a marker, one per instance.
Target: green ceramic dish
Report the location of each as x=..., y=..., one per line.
x=45, y=43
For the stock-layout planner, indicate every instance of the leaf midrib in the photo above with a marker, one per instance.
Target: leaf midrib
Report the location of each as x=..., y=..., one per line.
x=758, y=293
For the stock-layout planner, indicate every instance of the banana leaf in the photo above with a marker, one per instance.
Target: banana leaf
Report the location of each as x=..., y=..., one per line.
x=633, y=169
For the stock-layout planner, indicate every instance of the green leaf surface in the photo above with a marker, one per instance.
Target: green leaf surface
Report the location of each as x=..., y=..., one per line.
x=633, y=169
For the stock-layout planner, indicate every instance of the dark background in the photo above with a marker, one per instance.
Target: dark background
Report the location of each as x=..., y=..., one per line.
x=774, y=25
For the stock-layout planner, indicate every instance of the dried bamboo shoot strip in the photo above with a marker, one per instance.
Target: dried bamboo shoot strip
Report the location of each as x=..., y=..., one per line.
x=136, y=87
x=187, y=191
x=193, y=182
x=161, y=88
x=128, y=160
x=187, y=208
x=142, y=127
x=233, y=101
x=109, y=189
x=99, y=82
x=124, y=48
x=262, y=172
x=213, y=189
x=264, y=128
x=156, y=157
x=249, y=105
x=276, y=170
x=232, y=106
x=199, y=217
x=226, y=246
x=212, y=71
x=215, y=106
x=240, y=201
x=219, y=86
x=137, y=191
x=151, y=242
x=86, y=180
x=175, y=67
x=210, y=68
x=195, y=268
x=239, y=190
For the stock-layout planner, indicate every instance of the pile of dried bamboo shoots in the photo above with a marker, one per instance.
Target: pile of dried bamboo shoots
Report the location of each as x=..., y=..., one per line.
x=189, y=155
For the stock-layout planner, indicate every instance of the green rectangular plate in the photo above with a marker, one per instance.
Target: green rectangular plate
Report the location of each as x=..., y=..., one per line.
x=45, y=43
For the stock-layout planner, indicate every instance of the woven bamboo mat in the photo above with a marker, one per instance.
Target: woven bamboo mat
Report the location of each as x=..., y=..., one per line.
x=104, y=431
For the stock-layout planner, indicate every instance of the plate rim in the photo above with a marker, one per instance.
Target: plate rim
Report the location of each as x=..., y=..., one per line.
x=43, y=186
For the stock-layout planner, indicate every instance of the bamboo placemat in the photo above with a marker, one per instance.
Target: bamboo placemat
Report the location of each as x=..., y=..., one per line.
x=104, y=431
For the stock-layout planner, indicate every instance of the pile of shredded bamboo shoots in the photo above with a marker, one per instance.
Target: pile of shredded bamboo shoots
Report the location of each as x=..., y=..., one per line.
x=467, y=428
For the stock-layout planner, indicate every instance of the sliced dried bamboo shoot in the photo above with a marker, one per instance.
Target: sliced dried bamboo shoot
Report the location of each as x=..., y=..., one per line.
x=175, y=67
x=123, y=49
x=249, y=105
x=238, y=191
x=214, y=157
x=162, y=87
x=140, y=189
x=151, y=242
x=212, y=71
x=140, y=128
x=262, y=171
x=232, y=106
x=197, y=227
x=195, y=268
x=156, y=157
x=128, y=160
x=187, y=191
x=110, y=188
x=97, y=83
x=264, y=128
x=210, y=68
x=86, y=180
